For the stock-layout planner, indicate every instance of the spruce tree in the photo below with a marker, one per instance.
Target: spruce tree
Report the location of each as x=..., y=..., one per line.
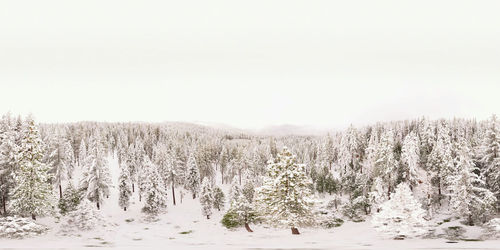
x=192, y=176
x=124, y=188
x=467, y=195
x=155, y=195
x=96, y=177
x=206, y=198
x=32, y=194
x=411, y=159
x=285, y=197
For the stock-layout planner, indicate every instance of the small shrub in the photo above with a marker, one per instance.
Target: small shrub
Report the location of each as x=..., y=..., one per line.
x=230, y=220
x=331, y=222
x=454, y=233
x=70, y=200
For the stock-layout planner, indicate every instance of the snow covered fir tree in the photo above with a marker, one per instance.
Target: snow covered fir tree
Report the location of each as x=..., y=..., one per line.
x=403, y=177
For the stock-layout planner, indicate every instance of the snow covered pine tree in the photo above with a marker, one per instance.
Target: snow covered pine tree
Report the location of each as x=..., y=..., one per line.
x=33, y=192
x=285, y=197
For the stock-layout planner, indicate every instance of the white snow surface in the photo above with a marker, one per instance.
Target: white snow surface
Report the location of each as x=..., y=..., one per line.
x=210, y=234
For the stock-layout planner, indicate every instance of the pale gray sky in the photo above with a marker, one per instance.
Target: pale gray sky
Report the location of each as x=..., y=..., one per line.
x=250, y=63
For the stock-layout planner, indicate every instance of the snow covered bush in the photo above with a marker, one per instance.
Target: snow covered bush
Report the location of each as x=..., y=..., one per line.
x=17, y=227
x=70, y=200
x=84, y=218
x=492, y=229
x=356, y=209
x=402, y=215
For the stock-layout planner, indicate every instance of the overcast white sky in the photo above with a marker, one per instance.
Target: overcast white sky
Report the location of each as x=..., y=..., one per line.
x=250, y=63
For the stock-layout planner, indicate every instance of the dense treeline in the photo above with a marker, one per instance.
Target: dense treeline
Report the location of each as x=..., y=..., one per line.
x=448, y=165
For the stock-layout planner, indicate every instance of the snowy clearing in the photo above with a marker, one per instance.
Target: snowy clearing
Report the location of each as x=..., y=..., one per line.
x=184, y=227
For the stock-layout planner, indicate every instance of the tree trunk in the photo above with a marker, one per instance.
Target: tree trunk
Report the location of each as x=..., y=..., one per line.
x=295, y=230
x=4, y=201
x=140, y=197
x=124, y=208
x=60, y=191
x=173, y=193
x=194, y=196
x=98, y=207
x=240, y=175
x=389, y=188
x=133, y=189
x=33, y=216
x=439, y=191
x=208, y=217
x=247, y=227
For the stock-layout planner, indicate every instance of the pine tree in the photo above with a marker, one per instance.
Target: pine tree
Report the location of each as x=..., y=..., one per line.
x=8, y=162
x=155, y=194
x=219, y=198
x=206, y=198
x=402, y=215
x=411, y=159
x=440, y=161
x=193, y=176
x=60, y=159
x=386, y=164
x=245, y=211
x=234, y=190
x=70, y=158
x=378, y=196
x=168, y=167
x=82, y=153
x=286, y=197
x=96, y=178
x=490, y=158
x=124, y=187
x=32, y=194
x=465, y=189
x=248, y=191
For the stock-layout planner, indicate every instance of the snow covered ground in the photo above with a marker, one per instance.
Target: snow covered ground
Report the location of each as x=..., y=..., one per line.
x=184, y=227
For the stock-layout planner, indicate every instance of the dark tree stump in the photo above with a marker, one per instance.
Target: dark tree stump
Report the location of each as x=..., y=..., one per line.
x=295, y=230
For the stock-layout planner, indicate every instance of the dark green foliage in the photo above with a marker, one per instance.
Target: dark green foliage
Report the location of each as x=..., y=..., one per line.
x=331, y=222
x=231, y=220
x=325, y=183
x=219, y=198
x=70, y=200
